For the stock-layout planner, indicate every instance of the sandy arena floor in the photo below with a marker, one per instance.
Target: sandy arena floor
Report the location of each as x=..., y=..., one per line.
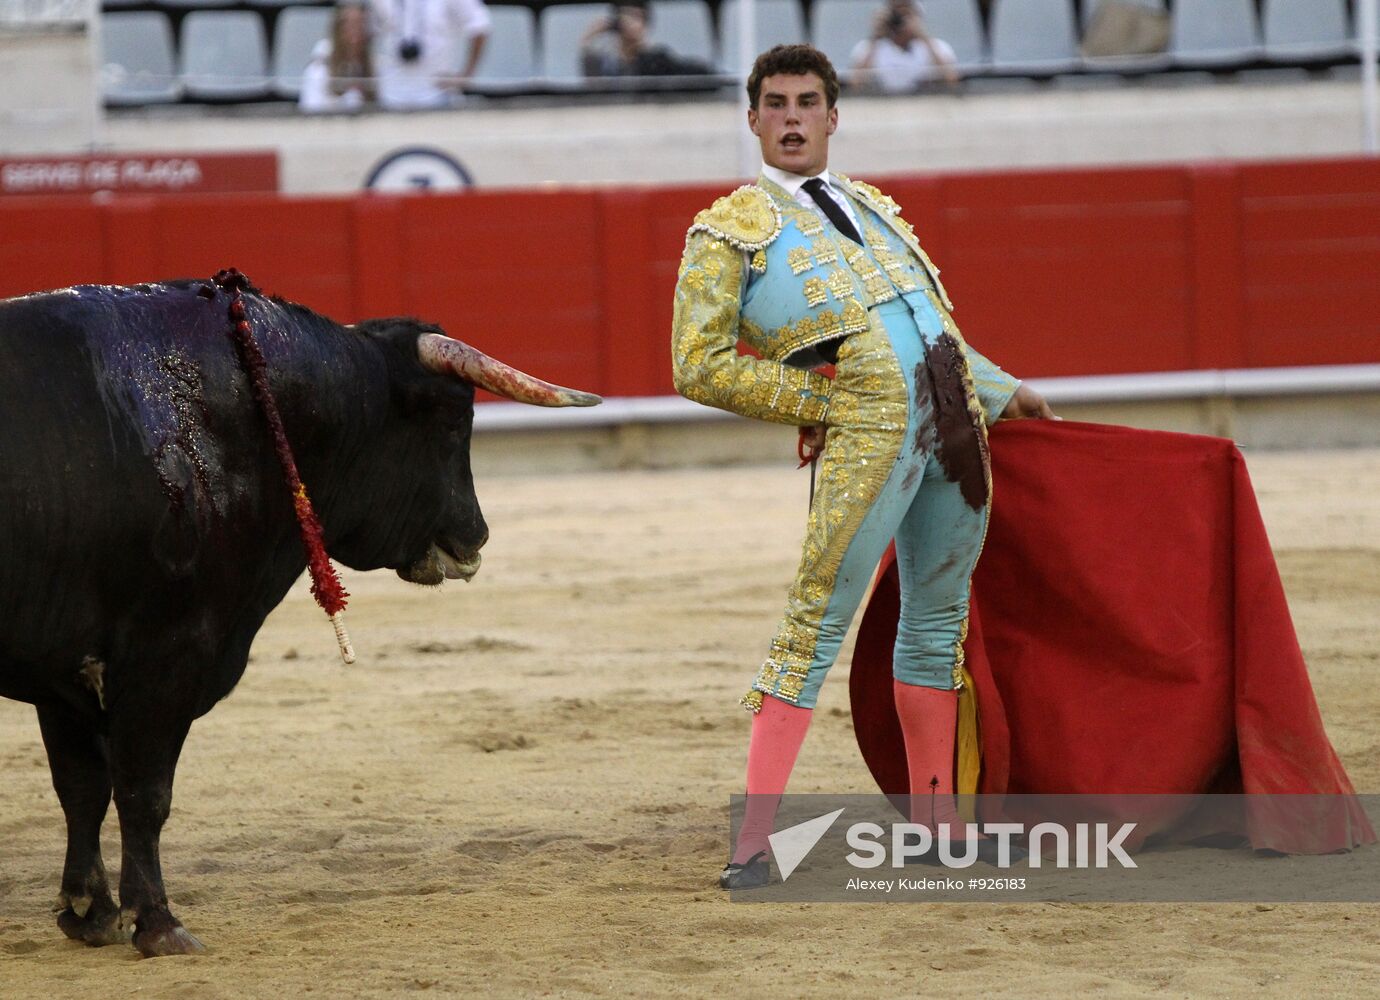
x=520, y=789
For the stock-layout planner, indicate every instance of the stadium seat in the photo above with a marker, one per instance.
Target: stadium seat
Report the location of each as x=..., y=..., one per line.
x=1216, y=33
x=778, y=22
x=560, y=30
x=959, y=23
x=1307, y=29
x=294, y=36
x=509, y=63
x=836, y=27
x=189, y=4
x=1141, y=63
x=137, y=59
x=1035, y=37
x=117, y=4
x=685, y=27
x=224, y=55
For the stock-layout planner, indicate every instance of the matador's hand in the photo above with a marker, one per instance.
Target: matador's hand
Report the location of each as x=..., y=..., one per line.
x=1027, y=403
x=811, y=443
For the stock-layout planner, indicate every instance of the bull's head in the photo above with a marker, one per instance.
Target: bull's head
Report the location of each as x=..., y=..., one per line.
x=452, y=557
x=436, y=530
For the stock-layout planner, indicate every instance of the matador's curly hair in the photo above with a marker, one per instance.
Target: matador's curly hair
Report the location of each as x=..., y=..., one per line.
x=793, y=60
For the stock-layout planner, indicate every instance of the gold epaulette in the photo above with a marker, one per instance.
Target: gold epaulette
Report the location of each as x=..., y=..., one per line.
x=882, y=202
x=747, y=219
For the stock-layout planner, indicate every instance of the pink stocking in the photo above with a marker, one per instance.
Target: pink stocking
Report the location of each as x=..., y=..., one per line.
x=778, y=730
x=929, y=721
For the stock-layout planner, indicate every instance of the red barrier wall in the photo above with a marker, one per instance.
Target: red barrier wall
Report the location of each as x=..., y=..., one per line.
x=1053, y=272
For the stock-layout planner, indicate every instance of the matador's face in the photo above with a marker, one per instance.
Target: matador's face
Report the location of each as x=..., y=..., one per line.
x=793, y=122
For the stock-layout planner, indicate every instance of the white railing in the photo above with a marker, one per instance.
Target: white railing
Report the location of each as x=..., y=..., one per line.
x=1207, y=384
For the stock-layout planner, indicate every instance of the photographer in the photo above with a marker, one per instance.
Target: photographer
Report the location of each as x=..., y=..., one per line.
x=901, y=56
x=617, y=45
x=417, y=45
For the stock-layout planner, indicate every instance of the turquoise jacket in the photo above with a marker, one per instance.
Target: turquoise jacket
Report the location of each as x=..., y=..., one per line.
x=761, y=268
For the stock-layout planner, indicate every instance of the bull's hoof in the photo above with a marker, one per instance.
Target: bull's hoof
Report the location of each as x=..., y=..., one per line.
x=99, y=926
x=175, y=940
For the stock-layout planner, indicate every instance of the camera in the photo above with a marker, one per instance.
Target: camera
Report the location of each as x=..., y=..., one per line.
x=410, y=50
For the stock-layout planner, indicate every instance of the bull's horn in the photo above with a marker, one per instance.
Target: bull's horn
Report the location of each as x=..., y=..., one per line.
x=447, y=356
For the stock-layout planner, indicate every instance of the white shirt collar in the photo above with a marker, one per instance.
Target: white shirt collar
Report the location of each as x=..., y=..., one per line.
x=792, y=183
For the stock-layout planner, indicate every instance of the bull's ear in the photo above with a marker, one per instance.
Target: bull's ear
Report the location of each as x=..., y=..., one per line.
x=446, y=356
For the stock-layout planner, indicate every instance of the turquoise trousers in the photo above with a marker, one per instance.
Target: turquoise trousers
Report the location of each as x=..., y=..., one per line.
x=905, y=458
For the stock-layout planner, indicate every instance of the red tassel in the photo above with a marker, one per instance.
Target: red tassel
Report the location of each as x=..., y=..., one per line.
x=326, y=586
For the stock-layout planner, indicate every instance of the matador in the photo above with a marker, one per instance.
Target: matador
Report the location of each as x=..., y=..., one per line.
x=808, y=268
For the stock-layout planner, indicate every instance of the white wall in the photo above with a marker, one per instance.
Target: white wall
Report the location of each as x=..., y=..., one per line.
x=48, y=96
x=697, y=141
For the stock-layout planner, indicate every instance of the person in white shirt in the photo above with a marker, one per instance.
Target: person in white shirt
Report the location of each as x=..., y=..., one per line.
x=417, y=50
x=340, y=76
x=901, y=55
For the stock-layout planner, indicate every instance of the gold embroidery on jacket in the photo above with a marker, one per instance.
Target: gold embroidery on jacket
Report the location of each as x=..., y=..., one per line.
x=799, y=259
x=883, y=203
x=854, y=317
x=825, y=251
x=706, y=365
x=891, y=213
x=816, y=292
x=829, y=324
x=746, y=219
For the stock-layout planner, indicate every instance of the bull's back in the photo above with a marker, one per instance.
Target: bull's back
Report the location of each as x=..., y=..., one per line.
x=118, y=416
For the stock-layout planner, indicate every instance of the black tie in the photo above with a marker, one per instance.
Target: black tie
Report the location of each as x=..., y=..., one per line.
x=831, y=208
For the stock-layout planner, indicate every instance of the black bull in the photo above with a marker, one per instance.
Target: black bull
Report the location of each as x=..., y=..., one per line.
x=146, y=531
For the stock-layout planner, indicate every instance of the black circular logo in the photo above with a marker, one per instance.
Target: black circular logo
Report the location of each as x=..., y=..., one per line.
x=418, y=168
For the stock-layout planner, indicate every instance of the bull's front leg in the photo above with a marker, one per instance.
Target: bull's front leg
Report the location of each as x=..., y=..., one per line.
x=145, y=740
x=81, y=778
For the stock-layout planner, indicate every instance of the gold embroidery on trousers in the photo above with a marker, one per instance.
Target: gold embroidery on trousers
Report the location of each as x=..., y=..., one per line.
x=868, y=416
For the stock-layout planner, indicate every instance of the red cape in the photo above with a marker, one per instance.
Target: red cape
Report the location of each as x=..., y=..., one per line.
x=1129, y=634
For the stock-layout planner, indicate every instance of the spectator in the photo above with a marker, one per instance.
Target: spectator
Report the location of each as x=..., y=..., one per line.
x=617, y=45
x=901, y=56
x=340, y=76
x=417, y=49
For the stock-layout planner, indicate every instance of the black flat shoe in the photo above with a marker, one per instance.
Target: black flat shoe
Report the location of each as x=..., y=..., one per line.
x=986, y=853
x=753, y=873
